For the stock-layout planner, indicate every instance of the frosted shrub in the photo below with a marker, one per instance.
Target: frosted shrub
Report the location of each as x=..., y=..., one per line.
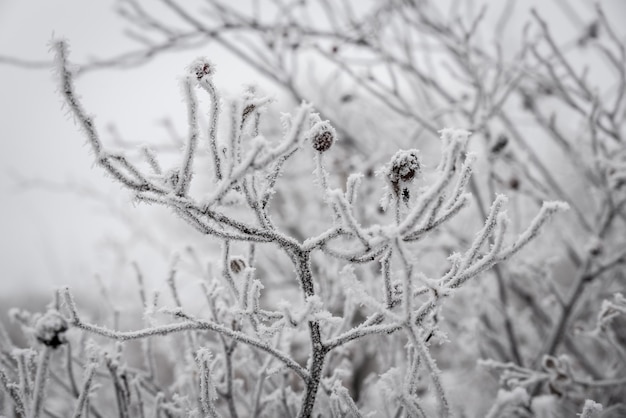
x=249, y=355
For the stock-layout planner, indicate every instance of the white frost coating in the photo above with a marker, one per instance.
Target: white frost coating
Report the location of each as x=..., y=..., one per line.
x=201, y=67
x=507, y=401
x=452, y=135
x=591, y=409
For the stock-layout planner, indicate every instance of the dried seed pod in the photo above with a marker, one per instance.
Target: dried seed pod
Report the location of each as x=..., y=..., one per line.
x=237, y=264
x=322, y=136
x=403, y=168
x=50, y=329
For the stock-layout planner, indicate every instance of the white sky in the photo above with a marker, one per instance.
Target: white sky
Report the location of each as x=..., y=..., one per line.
x=52, y=238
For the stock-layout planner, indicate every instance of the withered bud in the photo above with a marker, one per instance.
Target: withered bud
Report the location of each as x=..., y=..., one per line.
x=202, y=67
x=50, y=329
x=237, y=264
x=403, y=168
x=322, y=136
x=247, y=111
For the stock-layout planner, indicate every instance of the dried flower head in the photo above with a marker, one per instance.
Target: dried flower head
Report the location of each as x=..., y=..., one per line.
x=202, y=67
x=322, y=136
x=50, y=329
x=237, y=264
x=403, y=168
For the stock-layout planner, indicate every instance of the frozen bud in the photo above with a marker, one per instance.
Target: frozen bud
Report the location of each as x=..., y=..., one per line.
x=202, y=67
x=50, y=329
x=322, y=136
x=237, y=264
x=403, y=168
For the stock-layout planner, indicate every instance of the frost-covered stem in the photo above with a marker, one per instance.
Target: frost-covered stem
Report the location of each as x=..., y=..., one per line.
x=84, y=393
x=317, y=358
x=207, y=388
x=14, y=392
x=236, y=123
x=194, y=324
x=322, y=178
x=151, y=159
x=447, y=214
x=413, y=376
x=292, y=140
x=226, y=269
x=250, y=189
x=272, y=177
x=558, y=331
x=132, y=178
x=70, y=369
x=435, y=373
x=184, y=178
x=547, y=210
x=207, y=85
x=407, y=283
x=171, y=280
x=140, y=404
x=361, y=332
x=584, y=277
x=340, y=204
x=236, y=174
x=344, y=395
x=68, y=91
x=229, y=349
x=122, y=395
x=385, y=267
x=40, y=382
x=352, y=187
x=24, y=375
x=258, y=391
x=502, y=294
x=485, y=233
x=410, y=404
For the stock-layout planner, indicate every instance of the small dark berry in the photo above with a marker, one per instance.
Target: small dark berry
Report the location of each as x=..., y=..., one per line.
x=322, y=136
x=237, y=264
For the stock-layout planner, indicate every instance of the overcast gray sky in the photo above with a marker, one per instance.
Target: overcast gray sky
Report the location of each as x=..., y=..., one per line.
x=51, y=238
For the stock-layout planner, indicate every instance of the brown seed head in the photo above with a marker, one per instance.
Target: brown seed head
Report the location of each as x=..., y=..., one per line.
x=237, y=264
x=50, y=329
x=322, y=136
